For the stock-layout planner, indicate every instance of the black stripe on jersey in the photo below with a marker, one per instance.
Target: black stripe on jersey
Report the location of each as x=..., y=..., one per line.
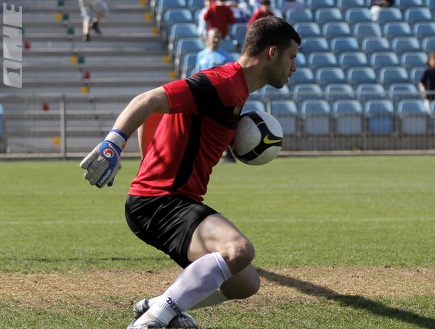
x=208, y=102
x=192, y=149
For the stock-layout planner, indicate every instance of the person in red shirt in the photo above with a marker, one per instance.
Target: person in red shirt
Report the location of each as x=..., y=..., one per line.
x=164, y=206
x=261, y=12
x=219, y=16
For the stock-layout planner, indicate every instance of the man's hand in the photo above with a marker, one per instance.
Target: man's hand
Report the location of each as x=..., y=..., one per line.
x=104, y=162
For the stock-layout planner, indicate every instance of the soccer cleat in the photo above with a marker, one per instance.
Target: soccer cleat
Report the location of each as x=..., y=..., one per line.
x=183, y=320
x=149, y=325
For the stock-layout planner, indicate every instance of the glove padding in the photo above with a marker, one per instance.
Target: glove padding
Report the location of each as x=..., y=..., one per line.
x=102, y=164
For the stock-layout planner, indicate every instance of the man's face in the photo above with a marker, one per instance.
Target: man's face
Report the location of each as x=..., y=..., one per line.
x=282, y=66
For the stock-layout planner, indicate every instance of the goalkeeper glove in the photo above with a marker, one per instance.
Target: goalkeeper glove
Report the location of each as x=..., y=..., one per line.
x=104, y=162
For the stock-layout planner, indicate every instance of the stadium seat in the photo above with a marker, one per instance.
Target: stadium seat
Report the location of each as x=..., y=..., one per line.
x=417, y=14
x=311, y=44
x=342, y=44
x=268, y=93
x=253, y=105
x=405, y=44
x=416, y=73
x=367, y=91
x=299, y=15
x=302, y=75
x=315, y=4
x=424, y=29
x=186, y=45
x=430, y=4
x=372, y=44
x=413, y=59
x=359, y=75
x=306, y=91
x=336, y=91
x=348, y=117
x=380, y=59
x=397, y=29
x=336, y=29
x=322, y=59
x=316, y=117
x=180, y=30
x=393, y=74
x=346, y=4
x=238, y=33
x=187, y=64
x=390, y=14
x=175, y=15
x=428, y=44
x=308, y=29
x=285, y=111
x=413, y=116
x=164, y=5
x=194, y=5
x=229, y=45
x=363, y=30
x=403, y=90
x=380, y=116
x=325, y=15
x=403, y=4
x=355, y=15
x=301, y=60
x=352, y=59
x=325, y=75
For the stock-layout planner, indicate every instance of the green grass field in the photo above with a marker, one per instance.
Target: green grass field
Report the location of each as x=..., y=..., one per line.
x=342, y=242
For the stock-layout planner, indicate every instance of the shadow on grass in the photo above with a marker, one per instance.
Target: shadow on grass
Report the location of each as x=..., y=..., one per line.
x=357, y=302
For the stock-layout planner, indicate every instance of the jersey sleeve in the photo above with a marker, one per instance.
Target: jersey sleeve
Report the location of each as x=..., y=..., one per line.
x=180, y=97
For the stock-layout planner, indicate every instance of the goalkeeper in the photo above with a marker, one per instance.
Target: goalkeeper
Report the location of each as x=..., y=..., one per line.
x=165, y=206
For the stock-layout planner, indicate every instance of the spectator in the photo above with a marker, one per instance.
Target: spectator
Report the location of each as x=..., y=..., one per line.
x=202, y=24
x=291, y=5
x=427, y=81
x=92, y=11
x=261, y=12
x=240, y=11
x=377, y=5
x=219, y=15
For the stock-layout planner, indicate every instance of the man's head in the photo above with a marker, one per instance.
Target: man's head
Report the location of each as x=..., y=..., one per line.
x=265, y=5
x=214, y=37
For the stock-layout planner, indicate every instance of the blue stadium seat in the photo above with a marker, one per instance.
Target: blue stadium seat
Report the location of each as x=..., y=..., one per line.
x=346, y=4
x=302, y=75
x=393, y=74
x=405, y=44
x=186, y=45
x=311, y=44
x=352, y=59
x=336, y=91
x=306, y=91
x=403, y=4
x=367, y=91
x=316, y=117
x=175, y=15
x=413, y=116
x=380, y=59
x=403, y=90
x=285, y=111
x=325, y=15
x=336, y=29
x=372, y=44
x=359, y=75
x=180, y=30
x=428, y=44
x=390, y=14
x=315, y=4
x=380, y=116
x=188, y=64
x=254, y=105
x=194, y=5
x=238, y=33
x=413, y=59
x=164, y=5
x=416, y=73
x=417, y=14
x=301, y=60
x=348, y=117
x=397, y=29
x=424, y=29
x=268, y=93
x=229, y=45
x=322, y=59
x=299, y=15
x=430, y=4
x=308, y=29
x=355, y=15
x=325, y=75
x=342, y=44
x=363, y=30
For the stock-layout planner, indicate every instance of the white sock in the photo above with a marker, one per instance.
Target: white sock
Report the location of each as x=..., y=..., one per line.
x=215, y=298
x=194, y=284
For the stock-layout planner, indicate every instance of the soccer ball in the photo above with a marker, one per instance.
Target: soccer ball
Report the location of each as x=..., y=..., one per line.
x=258, y=138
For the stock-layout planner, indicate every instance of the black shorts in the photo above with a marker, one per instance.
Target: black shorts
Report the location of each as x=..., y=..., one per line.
x=166, y=222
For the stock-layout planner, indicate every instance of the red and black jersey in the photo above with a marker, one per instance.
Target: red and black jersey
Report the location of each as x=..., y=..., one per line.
x=189, y=141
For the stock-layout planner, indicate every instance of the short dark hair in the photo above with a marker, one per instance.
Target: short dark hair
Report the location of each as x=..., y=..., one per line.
x=269, y=31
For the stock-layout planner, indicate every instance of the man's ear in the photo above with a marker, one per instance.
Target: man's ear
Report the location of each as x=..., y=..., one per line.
x=272, y=52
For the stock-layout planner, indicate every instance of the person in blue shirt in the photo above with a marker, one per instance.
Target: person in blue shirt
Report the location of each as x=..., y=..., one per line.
x=212, y=54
